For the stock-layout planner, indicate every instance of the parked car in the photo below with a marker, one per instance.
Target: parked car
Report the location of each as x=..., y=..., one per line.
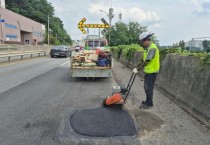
x=77, y=48
x=60, y=50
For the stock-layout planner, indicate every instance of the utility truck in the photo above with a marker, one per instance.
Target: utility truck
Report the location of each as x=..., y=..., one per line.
x=94, y=61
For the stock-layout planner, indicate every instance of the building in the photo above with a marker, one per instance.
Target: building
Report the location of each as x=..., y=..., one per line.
x=196, y=44
x=17, y=29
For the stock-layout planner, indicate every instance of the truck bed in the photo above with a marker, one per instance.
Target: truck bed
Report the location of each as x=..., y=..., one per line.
x=88, y=69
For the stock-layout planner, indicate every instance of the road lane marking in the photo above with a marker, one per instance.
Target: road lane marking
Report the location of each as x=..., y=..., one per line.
x=65, y=63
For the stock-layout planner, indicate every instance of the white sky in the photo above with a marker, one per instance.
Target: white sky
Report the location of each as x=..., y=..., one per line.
x=170, y=20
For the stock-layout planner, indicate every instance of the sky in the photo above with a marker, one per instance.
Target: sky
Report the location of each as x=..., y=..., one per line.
x=170, y=20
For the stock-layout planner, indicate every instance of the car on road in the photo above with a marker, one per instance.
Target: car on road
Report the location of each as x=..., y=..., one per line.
x=60, y=51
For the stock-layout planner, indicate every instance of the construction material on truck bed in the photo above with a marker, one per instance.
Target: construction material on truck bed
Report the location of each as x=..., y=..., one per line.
x=91, y=63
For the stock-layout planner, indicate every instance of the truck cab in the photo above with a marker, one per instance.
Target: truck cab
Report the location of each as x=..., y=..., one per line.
x=93, y=42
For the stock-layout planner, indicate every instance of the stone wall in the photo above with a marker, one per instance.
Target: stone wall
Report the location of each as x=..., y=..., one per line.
x=187, y=82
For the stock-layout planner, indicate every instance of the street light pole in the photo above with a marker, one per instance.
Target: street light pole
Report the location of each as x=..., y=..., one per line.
x=1, y=22
x=48, y=27
x=1, y=30
x=110, y=15
x=109, y=29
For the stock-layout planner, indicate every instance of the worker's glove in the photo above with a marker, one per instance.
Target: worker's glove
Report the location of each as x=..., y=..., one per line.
x=135, y=70
x=142, y=64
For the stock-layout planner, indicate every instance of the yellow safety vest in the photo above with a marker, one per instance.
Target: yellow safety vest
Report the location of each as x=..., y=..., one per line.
x=154, y=65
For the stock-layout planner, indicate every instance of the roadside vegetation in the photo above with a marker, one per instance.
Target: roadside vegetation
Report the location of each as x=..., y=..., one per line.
x=204, y=57
x=127, y=52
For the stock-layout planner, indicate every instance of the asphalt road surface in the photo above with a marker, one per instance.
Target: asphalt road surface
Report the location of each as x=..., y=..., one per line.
x=34, y=94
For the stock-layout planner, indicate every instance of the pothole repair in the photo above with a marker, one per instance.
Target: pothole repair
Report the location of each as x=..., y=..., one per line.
x=103, y=122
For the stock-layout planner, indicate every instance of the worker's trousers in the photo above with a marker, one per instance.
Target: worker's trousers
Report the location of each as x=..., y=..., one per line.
x=149, y=81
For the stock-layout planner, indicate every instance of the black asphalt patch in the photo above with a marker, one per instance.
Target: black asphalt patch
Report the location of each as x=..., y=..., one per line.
x=103, y=122
x=67, y=135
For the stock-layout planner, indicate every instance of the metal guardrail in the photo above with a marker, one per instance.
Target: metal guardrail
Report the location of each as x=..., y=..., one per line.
x=13, y=51
x=10, y=47
x=21, y=54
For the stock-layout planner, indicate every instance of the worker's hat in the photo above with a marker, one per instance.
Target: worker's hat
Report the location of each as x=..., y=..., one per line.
x=143, y=36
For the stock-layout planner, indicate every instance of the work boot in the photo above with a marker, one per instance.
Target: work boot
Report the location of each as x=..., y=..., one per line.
x=144, y=106
x=143, y=102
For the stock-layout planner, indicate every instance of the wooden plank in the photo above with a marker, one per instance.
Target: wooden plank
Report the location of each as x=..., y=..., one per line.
x=90, y=67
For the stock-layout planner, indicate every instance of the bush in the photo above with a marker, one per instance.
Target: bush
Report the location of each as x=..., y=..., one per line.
x=124, y=53
x=118, y=50
x=164, y=52
x=131, y=50
x=127, y=51
x=186, y=51
x=204, y=58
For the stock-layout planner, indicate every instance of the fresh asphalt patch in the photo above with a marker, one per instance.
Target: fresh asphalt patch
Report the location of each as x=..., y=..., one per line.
x=101, y=126
x=103, y=122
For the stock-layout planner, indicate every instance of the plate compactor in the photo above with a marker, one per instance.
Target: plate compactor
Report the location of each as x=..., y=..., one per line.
x=120, y=93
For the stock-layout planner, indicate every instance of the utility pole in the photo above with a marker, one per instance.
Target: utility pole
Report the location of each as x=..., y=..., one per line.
x=48, y=27
x=120, y=16
x=1, y=22
x=1, y=30
x=110, y=16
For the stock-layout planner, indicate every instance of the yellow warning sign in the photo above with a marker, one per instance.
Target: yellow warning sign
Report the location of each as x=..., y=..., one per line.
x=81, y=25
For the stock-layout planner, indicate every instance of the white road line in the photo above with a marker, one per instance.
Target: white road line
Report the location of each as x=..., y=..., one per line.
x=65, y=62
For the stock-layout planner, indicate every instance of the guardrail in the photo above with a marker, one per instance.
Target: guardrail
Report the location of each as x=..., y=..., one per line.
x=9, y=55
x=10, y=47
x=13, y=52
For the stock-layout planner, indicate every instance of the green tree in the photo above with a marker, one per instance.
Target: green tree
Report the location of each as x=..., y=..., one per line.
x=119, y=34
x=206, y=45
x=124, y=34
x=134, y=29
x=155, y=40
x=175, y=45
x=182, y=44
x=38, y=10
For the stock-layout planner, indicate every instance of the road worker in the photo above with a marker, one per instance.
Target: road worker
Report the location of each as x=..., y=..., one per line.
x=151, y=65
